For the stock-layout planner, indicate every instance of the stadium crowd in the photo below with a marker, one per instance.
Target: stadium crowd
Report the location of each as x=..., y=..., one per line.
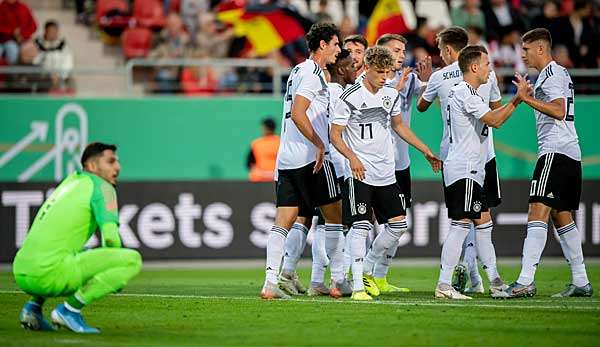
x=192, y=29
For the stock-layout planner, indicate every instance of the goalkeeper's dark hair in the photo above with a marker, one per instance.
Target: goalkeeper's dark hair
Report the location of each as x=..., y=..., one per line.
x=321, y=31
x=95, y=149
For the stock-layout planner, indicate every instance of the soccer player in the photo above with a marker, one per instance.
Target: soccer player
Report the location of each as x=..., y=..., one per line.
x=409, y=84
x=52, y=261
x=306, y=179
x=360, y=132
x=450, y=42
x=357, y=45
x=556, y=183
x=469, y=117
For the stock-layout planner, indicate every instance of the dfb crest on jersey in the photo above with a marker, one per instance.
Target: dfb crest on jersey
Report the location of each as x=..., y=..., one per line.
x=362, y=208
x=477, y=206
x=387, y=102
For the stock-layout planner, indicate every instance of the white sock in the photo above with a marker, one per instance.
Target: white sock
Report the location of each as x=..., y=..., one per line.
x=381, y=268
x=358, y=235
x=451, y=250
x=294, y=247
x=537, y=233
x=319, y=256
x=332, y=237
x=275, y=245
x=470, y=257
x=337, y=262
x=386, y=239
x=485, y=249
x=347, y=256
x=571, y=246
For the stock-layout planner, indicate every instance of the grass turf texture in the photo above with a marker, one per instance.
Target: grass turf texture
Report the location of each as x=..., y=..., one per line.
x=221, y=307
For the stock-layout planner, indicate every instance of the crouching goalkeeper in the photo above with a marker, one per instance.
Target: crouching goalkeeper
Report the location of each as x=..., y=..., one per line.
x=53, y=262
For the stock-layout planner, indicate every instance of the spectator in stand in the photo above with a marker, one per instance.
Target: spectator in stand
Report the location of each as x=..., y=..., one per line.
x=577, y=33
x=54, y=54
x=173, y=43
x=499, y=18
x=507, y=54
x=548, y=19
x=469, y=14
x=346, y=28
x=560, y=54
x=476, y=38
x=17, y=25
x=212, y=41
x=322, y=15
x=422, y=44
x=190, y=12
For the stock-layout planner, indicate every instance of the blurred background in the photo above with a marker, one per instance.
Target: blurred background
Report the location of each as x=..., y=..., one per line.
x=190, y=91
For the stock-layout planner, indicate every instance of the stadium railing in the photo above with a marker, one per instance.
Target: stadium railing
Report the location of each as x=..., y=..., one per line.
x=195, y=77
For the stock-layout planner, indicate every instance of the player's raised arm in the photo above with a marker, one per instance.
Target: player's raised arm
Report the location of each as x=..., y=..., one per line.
x=429, y=93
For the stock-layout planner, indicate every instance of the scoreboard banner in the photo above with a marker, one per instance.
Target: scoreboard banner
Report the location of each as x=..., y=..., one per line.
x=231, y=219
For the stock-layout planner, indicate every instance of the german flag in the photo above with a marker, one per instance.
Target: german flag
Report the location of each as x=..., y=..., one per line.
x=387, y=18
x=267, y=27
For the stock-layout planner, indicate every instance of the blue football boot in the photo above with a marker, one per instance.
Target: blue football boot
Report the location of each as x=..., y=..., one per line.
x=73, y=321
x=31, y=318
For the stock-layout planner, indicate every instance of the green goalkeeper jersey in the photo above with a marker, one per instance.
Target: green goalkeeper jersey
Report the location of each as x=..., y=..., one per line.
x=66, y=221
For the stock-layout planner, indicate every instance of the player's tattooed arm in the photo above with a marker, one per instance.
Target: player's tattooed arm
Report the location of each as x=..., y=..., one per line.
x=300, y=118
x=409, y=136
x=555, y=108
x=357, y=167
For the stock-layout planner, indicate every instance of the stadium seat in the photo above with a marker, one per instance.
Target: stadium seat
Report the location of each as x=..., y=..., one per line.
x=149, y=14
x=136, y=42
x=112, y=14
x=175, y=6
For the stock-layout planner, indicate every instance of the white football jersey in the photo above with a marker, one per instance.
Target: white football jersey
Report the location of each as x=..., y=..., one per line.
x=411, y=88
x=295, y=150
x=366, y=117
x=440, y=84
x=467, y=135
x=556, y=136
x=338, y=160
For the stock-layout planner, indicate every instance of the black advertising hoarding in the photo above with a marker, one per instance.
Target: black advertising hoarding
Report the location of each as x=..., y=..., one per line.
x=204, y=220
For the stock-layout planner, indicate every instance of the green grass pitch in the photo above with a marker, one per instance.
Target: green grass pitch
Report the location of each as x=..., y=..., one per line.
x=220, y=307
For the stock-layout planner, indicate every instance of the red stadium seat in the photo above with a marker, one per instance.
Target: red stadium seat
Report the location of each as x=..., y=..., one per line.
x=136, y=42
x=112, y=13
x=175, y=6
x=149, y=14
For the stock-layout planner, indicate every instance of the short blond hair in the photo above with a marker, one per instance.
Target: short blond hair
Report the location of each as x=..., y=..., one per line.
x=379, y=57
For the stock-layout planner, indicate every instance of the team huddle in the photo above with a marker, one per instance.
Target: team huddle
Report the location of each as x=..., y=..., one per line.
x=344, y=158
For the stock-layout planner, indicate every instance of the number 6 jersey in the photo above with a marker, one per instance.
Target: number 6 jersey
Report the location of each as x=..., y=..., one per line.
x=366, y=117
x=556, y=136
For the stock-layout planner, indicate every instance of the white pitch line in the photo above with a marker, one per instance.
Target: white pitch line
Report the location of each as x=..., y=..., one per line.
x=425, y=302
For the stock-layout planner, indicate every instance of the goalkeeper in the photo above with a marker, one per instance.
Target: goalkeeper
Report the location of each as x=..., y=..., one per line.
x=52, y=261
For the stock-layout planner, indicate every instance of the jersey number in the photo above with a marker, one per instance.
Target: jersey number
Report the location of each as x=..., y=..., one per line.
x=570, y=117
x=485, y=131
x=363, y=131
x=448, y=122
